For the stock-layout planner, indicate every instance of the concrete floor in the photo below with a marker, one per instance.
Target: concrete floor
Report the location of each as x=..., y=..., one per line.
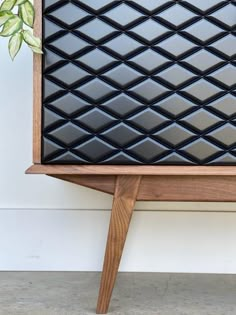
x=75, y=293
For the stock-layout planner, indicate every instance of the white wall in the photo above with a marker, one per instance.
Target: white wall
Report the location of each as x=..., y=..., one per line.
x=47, y=224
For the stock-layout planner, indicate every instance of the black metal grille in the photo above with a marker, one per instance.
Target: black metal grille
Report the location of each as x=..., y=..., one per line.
x=139, y=82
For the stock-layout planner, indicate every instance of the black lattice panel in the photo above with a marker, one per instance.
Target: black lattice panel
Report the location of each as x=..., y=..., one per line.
x=139, y=82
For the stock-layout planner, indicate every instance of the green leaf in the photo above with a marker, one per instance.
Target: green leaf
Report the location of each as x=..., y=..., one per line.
x=33, y=42
x=30, y=39
x=7, y=5
x=27, y=13
x=5, y=16
x=36, y=50
x=12, y=26
x=19, y=2
x=14, y=45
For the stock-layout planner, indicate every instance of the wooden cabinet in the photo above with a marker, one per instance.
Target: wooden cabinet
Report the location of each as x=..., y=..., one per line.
x=137, y=99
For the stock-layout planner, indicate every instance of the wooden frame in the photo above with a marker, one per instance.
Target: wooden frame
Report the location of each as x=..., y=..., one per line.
x=128, y=183
x=37, y=87
x=133, y=170
x=162, y=188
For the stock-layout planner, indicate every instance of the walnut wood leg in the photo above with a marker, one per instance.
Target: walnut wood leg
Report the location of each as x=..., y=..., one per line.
x=125, y=195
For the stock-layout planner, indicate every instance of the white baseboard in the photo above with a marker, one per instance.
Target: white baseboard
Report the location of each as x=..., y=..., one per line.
x=74, y=240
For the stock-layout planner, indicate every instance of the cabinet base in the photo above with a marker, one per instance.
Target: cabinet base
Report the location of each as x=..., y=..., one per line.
x=129, y=188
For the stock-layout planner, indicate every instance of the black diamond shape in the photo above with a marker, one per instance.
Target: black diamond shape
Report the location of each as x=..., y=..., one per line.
x=201, y=150
x=148, y=120
x=97, y=60
x=149, y=90
x=69, y=134
x=122, y=135
x=201, y=120
x=148, y=149
x=95, y=149
x=226, y=105
x=96, y=89
x=123, y=15
x=202, y=90
x=175, y=105
x=226, y=135
x=225, y=76
x=69, y=74
x=123, y=45
x=203, y=61
x=176, y=46
x=176, y=75
x=226, y=46
x=122, y=105
x=69, y=14
x=123, y=75
x=69, y=104
x=177, y=15
x=174, y=135
x=149, y=61
x=97, y=30
x=149, y=31
x=95, y=120
x=70, y=44
x=227, y=11
x=203, y=31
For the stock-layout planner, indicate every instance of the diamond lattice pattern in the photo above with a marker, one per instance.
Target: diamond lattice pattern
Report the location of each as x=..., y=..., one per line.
x=139, y=82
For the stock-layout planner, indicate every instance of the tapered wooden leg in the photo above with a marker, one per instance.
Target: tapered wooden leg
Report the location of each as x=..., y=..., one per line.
x=126, y=191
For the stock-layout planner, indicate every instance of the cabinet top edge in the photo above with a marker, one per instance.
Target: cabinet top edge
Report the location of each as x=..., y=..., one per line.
x=132, y=170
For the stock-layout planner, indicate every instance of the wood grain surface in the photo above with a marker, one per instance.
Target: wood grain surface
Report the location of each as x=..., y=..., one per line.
x=98, y=182
x=187, y=188
x=37, y=86
x=166, y=188
x=123, y=204
x=131, y=170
